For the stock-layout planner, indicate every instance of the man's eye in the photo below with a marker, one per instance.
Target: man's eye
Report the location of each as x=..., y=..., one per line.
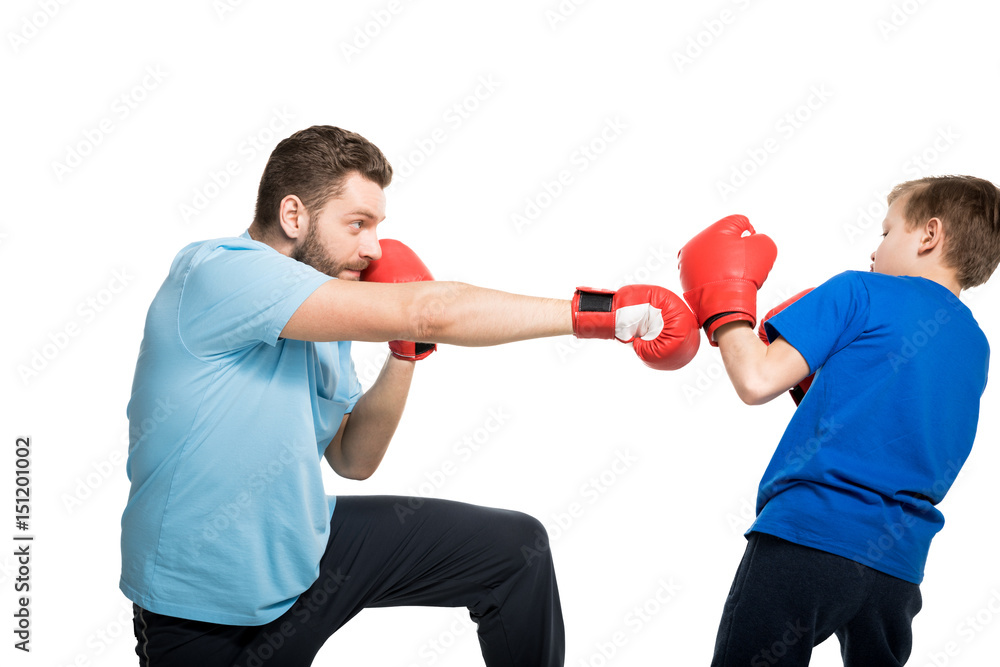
x=356, y=224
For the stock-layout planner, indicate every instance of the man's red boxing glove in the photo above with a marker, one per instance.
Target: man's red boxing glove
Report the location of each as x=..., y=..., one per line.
x=721, y=270
x=657, y=322
x=399, y=264
x=797, y=392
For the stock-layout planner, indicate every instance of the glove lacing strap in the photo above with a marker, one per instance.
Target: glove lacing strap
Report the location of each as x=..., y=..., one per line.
x=713, y=318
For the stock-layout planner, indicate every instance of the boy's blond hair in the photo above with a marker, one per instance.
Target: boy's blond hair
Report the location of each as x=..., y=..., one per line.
x=969, y=207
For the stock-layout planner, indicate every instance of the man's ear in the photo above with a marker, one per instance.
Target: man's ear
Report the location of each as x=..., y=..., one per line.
x=292, y=217
x=931, y=236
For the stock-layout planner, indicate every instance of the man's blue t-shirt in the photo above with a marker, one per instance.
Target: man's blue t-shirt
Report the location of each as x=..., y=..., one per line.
x=889, y=420
x=227, y=517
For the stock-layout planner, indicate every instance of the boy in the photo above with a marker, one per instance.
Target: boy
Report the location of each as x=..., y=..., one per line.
x=846, y=508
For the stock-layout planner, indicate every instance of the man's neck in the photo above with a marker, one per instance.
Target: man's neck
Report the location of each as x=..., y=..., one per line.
x=257, y=235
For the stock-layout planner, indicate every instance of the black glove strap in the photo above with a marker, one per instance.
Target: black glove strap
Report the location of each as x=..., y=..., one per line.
x=595, y=303
x=420, y=348
x=713, y=318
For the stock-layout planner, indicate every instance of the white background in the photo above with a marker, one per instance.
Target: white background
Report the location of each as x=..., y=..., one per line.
x=809, y=112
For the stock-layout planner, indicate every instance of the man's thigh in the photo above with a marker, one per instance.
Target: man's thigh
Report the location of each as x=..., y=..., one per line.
x=382, y=551
x=400, y=551
x=396, y=550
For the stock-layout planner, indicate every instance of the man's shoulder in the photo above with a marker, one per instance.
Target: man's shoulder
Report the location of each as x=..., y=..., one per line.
x=209, y=246
x=223, y=248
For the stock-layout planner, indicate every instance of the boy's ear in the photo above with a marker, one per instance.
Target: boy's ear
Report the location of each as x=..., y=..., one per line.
x=931, y=236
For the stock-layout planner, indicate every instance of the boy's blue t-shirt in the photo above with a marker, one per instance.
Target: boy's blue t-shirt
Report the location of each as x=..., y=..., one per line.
x=889, y=420
x=227, y=517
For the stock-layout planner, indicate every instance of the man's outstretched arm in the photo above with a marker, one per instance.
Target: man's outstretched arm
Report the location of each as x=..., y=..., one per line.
x=431, y=311
x=399, y=301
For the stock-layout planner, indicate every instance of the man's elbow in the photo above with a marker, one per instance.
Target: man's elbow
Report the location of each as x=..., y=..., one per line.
x=357, y=471
x=357, y=474
x=431, y=316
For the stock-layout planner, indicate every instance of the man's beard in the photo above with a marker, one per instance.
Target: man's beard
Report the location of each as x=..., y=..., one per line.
x=311, y=252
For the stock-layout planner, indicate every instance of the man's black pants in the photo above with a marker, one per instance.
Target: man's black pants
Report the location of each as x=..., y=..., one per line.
x=786, y=598
x=389, y=551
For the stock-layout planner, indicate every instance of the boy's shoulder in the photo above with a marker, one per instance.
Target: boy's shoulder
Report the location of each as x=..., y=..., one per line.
x=881, y=282
x=897, y=296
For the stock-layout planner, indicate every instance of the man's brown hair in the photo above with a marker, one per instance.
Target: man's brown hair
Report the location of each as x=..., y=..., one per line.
x=313, y=164
x=969, y=207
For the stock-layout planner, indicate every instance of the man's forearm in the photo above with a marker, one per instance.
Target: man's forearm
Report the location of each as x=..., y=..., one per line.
x=426, y=312
x=373, y=422
x=462, y=314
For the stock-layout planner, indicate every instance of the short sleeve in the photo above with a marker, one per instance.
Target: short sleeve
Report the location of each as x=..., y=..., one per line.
x=349, y=388
x=239, y=295
x=825, y=320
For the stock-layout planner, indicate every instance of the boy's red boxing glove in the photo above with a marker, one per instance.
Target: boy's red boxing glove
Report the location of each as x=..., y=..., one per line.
x=399, y=264
x=797, y=392
x=721, y=270
x=661, y=328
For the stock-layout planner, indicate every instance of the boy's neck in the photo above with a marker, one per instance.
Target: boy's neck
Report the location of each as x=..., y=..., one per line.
x=943, y=276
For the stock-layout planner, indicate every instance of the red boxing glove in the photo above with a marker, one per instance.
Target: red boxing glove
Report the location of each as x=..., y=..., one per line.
x=399, y=264
x=797, y=392
x=721, y=271
x=657, y=322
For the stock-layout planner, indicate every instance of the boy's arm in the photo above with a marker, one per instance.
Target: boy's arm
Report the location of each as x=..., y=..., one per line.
x=721, y=270
x=759, y=372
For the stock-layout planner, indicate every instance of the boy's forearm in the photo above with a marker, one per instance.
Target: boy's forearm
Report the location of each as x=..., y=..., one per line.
x=742, y=352
x=759, y=372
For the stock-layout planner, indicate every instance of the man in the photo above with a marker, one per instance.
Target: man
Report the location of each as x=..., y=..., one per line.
x=231, y=551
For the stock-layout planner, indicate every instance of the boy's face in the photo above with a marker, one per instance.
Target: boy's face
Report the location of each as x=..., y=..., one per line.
x=897, y=254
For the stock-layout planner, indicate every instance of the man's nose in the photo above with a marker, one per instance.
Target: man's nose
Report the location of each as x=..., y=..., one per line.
x=371, y=249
